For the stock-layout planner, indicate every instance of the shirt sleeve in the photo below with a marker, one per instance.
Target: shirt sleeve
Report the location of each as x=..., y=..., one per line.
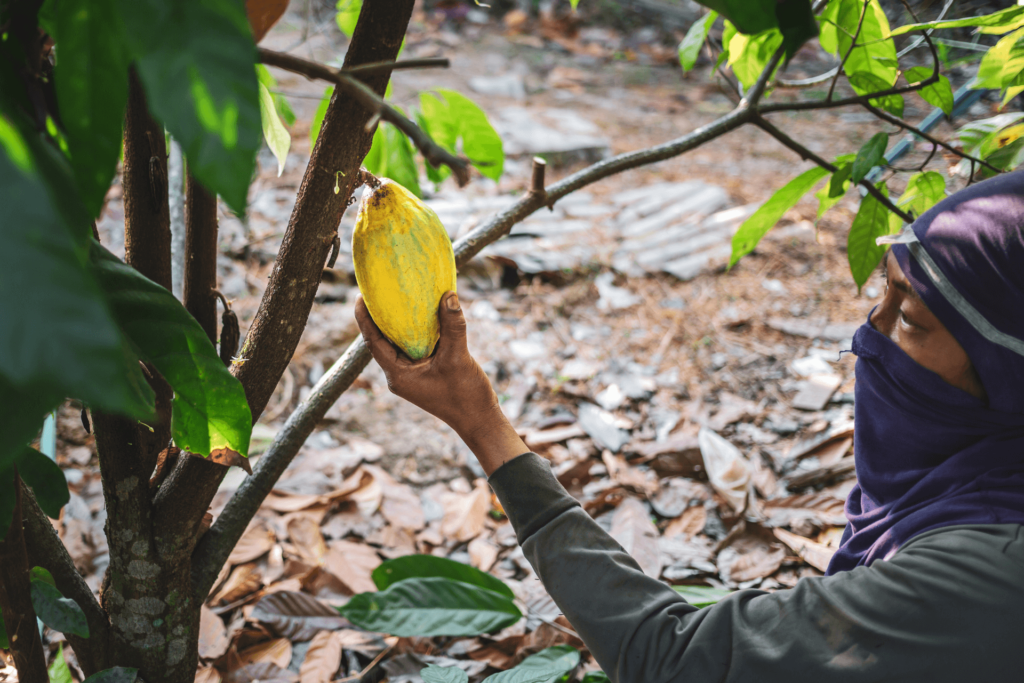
x=948, y=607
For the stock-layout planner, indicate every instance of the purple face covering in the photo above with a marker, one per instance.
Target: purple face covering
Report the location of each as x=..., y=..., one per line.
x=930, y=455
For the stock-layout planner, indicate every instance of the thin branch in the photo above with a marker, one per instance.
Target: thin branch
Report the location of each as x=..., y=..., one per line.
x=853, y=45
x=805, y=105
x=755, y=92
x=432, y=152
x=216, y=544
x=806, y=82
x=895, y=120
x=45, y=549
x=805, y=153
x=425, y=63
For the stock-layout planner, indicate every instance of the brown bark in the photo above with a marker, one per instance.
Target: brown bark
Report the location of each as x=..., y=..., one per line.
x=16, y=600
x=201, y=256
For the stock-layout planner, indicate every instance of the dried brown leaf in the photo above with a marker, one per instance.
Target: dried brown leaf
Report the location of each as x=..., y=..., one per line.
x=296, y=615
x=482, y=553
x=322, y=658
x=753, y=554
x=813, y=553
x=277, y=651
x=819, y=508
x=213, y=637
x=353, y=564
x=304, y=532
x=466, y=515
x=688, y=524
x=621, y=473
x=282, y=501
x=257, y=540
x=633, y=529
x=229, y=458
x=261, y=672
x=402, y=507
x=243, y=580
x=207, y=674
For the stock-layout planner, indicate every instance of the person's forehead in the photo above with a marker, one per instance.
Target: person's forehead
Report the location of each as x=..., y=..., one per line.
x=897, y=278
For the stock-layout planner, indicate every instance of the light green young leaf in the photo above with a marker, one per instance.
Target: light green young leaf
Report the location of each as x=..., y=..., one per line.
x=431, y=606
x=826, y=198
x=274, y=132
x=702, y=596
x=59, y=613
x=209, y=411
x=435, y=118
x=999, y=22
x=924, y=190
x=480, y=142
x=318, y=117
x=937, y=94
x=870, y=223
x=596, y=677
x=865, y=84
x=690, y=46
x=195, y=59
x=750, y=54
x=973, y=134
x=348, y=15
x=391, y=155
x=547, y=666
x=573, y=3
x=41, y=574
x=874, y=54
x=280, y=103
x=1002, y=67
x=116, y=674
x=91, y=81
x=869, y=156
x=443, y=674
x=758, y=225
x=59, y=671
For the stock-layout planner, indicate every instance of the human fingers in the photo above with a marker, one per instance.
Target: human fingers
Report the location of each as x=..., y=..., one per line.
x=383, y=352
x=452, y=344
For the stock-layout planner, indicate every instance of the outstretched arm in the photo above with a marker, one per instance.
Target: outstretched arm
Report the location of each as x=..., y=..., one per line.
x=449, y=385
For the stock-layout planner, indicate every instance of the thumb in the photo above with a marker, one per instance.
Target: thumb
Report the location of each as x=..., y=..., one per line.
x=453, y=325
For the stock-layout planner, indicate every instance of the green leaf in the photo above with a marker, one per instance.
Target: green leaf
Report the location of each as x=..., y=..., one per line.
x=758, y=225
x=443, y=674
x=840, y=181
x=924, y=190
x=937, y=94
x=195, y=59
x=998, y=22
x=749, y=54
x=117, y=674
x=391, y=156
x=280, y=103
x=690, y=46
x=1002, y=67
x=435, y=118
x=480, y=142
x=348, y=15
x=866, y=84
x=972, y=135
x=318, y=117
x=57, y=338
x=59, y=671
x=748, y=16
x=869, y=156
x=46, y=480
x=826, y=200
x=870, y=223
x=547, y=666
x=91, y=81
x=431, y=606
x=274, y=132
x=422, y=566
x=59, y=613
x=209, y=410
x=41, y=574
x=596, y=677
x=875, y=53
x=797, y=24
x=702, y=596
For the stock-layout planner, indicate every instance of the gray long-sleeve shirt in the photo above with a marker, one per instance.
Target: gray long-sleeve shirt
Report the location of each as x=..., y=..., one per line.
x=949, y=606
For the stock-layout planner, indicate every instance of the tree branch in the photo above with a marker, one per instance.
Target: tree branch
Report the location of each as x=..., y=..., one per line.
x=45, y=549
x=201, y=256
x=805, y=153
x=215, y=546
x=895, y=120
x=432, y=152
x=425, y=63
x=853, y=45
x=753, y=95
x=15, y=599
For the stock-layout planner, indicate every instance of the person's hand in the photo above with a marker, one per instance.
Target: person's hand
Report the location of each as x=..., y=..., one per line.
x=449, y=384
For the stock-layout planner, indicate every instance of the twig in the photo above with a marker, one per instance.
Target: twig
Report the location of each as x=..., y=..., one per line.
x=432, y=152
x=853, y=46
x=886, y=116
x=805, y=153
x=366, y=669
x=755, y=92
x=425, y=63
x=216, y=544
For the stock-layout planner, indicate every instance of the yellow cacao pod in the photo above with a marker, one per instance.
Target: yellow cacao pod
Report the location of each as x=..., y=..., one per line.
x=404, y=263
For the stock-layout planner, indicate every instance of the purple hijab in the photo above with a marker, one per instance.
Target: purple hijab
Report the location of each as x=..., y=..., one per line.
x=930, y=455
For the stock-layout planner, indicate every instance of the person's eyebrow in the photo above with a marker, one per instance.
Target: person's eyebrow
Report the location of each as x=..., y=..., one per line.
x=905, y=288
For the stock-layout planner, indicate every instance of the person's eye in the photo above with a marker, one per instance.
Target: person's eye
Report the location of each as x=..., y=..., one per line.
x=905, y=321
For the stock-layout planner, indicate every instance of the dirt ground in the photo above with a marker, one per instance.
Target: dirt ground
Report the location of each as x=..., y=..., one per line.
x=609, y=375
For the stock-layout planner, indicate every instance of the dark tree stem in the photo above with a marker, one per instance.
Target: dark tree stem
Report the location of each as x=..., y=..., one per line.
x=201, y=256
x=16, y=601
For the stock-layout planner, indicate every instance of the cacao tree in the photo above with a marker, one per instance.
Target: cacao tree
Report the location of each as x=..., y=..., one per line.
x=86, y=84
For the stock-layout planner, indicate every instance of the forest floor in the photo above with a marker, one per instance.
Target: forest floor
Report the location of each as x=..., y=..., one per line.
x=606, y=363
